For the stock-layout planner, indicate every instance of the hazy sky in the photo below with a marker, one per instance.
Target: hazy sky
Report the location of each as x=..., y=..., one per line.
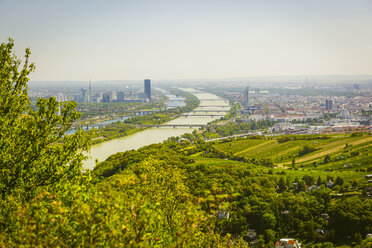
x=175, y=39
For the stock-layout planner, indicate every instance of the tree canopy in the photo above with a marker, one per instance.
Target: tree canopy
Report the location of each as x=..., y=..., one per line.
x=176, y=194
x=34, y=148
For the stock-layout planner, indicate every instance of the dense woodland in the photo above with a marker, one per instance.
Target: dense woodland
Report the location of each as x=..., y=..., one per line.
x=272, y=201
x=183, y=193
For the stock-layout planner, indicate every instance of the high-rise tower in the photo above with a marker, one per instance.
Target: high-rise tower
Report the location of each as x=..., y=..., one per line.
x=329, y=104
x=246, y=98
x=90, y=90
x=120, y=96
x=84, y=96
x=148, y=88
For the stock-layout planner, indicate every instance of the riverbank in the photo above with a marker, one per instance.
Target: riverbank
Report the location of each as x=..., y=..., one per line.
x=156, y=135
x=129, y=126
x=91, y=110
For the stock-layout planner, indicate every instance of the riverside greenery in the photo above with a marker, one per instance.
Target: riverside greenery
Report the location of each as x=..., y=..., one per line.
x=164, y=195
x=121, y=129
x=46, y=199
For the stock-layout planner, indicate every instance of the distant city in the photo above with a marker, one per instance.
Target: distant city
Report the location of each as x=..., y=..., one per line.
x=325, y=107
x=186, y=124
x=292, y=108
x=115, y=96
x=131, y=94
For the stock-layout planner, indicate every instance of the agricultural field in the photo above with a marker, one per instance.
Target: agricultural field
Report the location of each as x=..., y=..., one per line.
x=241, y=145
x=357, y=172
x=305, y=150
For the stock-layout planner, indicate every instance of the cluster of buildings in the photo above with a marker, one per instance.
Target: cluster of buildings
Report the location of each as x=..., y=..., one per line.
x=102, y=92
x=307, y=114
x=115, y=96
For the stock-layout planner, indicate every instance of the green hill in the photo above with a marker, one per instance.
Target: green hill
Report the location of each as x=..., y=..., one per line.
x=275, y=201
x=282, y=149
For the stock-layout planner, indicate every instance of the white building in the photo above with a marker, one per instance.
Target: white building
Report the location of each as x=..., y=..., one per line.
x=287, y=243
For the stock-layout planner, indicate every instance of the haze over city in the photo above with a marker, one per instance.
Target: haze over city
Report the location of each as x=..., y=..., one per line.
x=117, y=40
x=185, y=123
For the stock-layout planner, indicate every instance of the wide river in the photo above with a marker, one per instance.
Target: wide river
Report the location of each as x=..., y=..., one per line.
x=157, y=135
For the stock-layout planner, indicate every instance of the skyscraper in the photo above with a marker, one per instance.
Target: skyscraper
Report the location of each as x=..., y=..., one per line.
x=90, y=90
x=329, y=104
x=120, y=96
x=113, y=96
x=246, y=99
x=106, y=97
x=84, y=96
x=148, y=88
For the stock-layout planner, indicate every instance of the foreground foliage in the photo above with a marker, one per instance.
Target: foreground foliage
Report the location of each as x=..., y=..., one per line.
x=145, y=206
x=178, y=194
x=34, y=150
x=47, y=201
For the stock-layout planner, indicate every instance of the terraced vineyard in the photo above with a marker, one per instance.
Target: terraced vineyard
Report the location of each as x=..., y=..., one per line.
x=241, y=146
x=307, y=150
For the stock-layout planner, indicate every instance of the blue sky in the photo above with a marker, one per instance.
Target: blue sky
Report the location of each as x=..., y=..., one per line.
x=175, y=39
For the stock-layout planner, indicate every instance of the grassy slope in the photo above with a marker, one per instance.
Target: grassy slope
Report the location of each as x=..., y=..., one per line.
x=335, y=147
x=312, y=163
x=348, y=175
x=240, y=146
x=282, y=153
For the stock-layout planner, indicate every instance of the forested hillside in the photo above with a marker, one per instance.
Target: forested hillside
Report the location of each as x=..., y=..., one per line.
x=274, y=201
x=177, y=194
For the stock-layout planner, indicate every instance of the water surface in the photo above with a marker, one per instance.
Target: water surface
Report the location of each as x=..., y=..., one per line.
x=156, y=135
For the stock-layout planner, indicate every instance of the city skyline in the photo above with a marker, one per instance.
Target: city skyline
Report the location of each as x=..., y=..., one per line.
x=190, y=39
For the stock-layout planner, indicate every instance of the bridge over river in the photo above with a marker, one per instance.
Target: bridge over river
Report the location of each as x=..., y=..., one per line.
x=214, y=106
x=179, y=125
x=203, y=115
x=207, y=99
x=186, y=123
x=175, y=125
x=210, y=111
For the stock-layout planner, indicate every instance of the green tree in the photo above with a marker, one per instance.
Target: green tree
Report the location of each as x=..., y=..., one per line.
x=282, y=184
x=35, y=150
x=357, y=238
x=339, y=181
x=319, y=181
x=310, y=231
x=268, y=221
x=349, y=216
x=309, y=180
x=301, y=186
x=327, y=158
x=270, y=236
x=305, y=150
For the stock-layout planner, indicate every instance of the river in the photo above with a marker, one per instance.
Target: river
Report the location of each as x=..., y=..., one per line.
x=157, y=135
